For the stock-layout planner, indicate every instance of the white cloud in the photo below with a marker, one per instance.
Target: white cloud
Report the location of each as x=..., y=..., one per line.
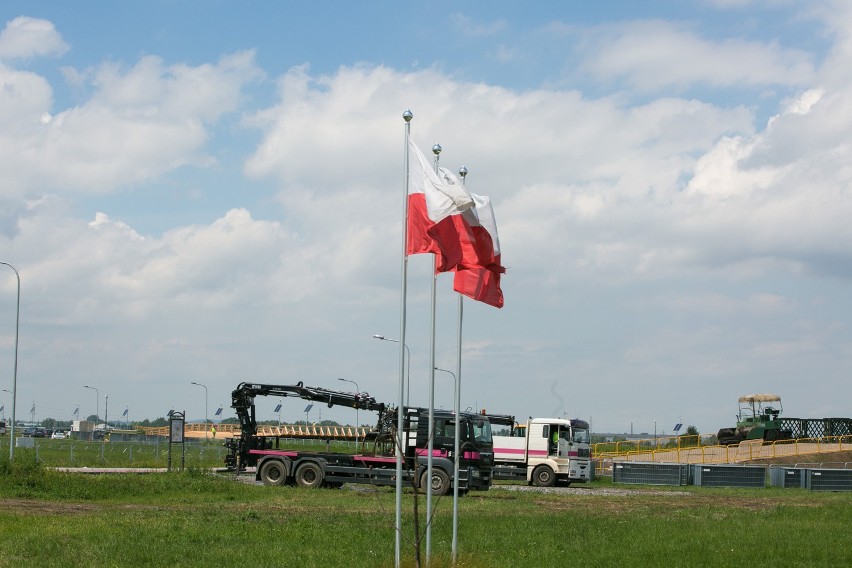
x=597, y=173
x=138, y=124
x=24, y=98
x=654, y=55
x=25, y=37
x=233, y=262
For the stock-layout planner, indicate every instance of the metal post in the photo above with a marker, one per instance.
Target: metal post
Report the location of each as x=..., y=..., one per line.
x=15, y=372
x=456, y=459
x=357, y=391
x=436, y=149
x=205, y=405
x=406, y=116
x=97, y=404
x=4, y=406
x=457, y=408
x=408, y=369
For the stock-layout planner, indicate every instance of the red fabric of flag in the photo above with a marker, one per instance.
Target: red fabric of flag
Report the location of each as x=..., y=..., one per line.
x=432, y=201
x=478, y=273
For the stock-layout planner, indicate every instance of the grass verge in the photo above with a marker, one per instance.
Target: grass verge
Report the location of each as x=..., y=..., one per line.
x=196, y=519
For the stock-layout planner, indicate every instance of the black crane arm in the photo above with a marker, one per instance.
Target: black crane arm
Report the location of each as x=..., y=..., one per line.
x=501, y=419
x=242, y=400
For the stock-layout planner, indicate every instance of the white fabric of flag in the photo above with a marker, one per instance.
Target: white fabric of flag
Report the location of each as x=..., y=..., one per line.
x=442, y=199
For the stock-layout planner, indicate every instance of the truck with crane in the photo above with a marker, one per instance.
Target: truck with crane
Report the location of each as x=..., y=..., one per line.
x=542, y=451
x=375, y=459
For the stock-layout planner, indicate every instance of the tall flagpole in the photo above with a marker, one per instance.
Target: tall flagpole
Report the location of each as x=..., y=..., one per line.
x=457, y=410
x=436, y=149
x=400, y=424
x=15, y=375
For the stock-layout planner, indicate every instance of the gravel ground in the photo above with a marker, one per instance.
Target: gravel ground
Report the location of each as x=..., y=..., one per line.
x=584, y=490
x=248, y=478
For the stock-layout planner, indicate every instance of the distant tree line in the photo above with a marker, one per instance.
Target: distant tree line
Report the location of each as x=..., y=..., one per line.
x=53, y=424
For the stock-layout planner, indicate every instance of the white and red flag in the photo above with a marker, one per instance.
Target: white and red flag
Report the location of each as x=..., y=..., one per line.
x=432, y=200
x=478, y=273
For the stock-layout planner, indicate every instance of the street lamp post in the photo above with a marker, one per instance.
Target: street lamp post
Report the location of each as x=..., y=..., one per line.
x=4, y=406
x=205, y=405
x=455, y=463
x=97, y=402
x=357, y=391
x=408, y=369
x=15, y=372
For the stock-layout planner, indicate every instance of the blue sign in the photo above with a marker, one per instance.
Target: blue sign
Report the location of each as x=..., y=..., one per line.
x=277, y=408
x=677, y=427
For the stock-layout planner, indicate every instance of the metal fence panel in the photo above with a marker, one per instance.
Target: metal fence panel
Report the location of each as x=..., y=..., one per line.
x=817, y=427
x=650, y=473
x=787, y=477
x=707, y=475
x=829, y=479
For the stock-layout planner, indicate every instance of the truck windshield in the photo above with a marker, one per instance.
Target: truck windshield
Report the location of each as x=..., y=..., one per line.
x=581, y=436
x=482, y=432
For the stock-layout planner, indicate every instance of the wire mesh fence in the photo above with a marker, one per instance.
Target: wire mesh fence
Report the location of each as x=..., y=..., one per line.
x=147, y=451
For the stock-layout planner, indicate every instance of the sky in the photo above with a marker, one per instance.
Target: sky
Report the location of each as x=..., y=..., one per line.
x=212, y=192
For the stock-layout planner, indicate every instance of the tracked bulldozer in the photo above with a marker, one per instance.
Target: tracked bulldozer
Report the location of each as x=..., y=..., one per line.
x=758, y=419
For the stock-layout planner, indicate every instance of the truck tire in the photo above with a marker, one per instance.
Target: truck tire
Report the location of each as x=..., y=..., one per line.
x=273, y=472
x=543, y=476
x=309, y=474
x=440, y=481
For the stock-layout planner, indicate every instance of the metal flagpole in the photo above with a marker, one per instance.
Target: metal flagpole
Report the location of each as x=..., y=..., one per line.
x=15, y=373
x=407, y=116
x=436, y=149
x=457, y=410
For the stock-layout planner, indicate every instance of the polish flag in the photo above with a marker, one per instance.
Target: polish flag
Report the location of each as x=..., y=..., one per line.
x=478, y=273
x=432, y=200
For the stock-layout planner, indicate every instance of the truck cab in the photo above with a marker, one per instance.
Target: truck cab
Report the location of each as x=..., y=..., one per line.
x=476, y=451
x=551, y=450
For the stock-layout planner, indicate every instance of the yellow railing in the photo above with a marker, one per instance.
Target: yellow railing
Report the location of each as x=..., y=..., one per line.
x=646, y=444
x=746, y=451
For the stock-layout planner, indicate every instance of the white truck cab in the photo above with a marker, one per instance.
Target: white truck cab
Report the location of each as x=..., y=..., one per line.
x=543, y=451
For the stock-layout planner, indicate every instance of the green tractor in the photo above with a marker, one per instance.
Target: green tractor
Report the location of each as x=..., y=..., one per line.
x=757, y=420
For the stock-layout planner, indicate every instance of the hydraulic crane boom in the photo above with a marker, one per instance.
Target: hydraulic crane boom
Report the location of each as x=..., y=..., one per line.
x=242, y=400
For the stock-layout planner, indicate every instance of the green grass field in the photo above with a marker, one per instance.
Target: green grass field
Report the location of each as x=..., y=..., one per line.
x=147, y=453
x=194, y=518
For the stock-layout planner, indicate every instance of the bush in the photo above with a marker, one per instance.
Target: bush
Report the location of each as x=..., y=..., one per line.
x=22, y=474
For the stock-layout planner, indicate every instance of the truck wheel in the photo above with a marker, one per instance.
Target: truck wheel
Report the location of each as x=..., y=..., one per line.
x=440, y=481
x=309, y=474
x=543, y=476
x=273, y=472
